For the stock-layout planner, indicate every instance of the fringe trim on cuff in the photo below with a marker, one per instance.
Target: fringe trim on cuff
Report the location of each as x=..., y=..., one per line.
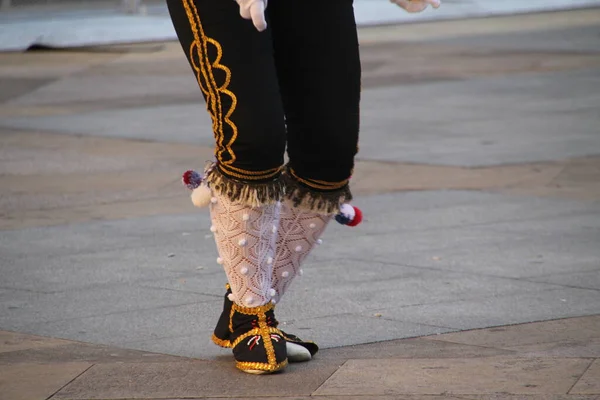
x=252, y=194
x=327, y=203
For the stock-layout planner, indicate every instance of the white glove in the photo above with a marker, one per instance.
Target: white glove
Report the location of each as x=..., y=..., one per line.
x=254, y=10
x=415, y=6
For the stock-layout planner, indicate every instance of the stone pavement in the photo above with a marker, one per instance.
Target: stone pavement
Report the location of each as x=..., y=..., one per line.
x=479, y=174
x=554, y=360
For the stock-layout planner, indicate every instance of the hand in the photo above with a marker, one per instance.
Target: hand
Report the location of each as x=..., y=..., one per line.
x=254, y=10
x=415, y=6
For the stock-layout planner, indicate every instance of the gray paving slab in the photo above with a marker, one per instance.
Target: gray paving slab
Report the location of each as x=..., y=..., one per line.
x=144, y=123
x=479, y=251
x=91, y=88
x=80, y=352
x=348, y=329
x=484, y=121
x=584, y=280
x=195, y=345
x=574, y=39
x=421, y=211
x=119, y=328
x=455, y=123
x=438, y=261
x=427, y=347
x=517, y=237
x=500, y=310
x=89, y=302
x=351, y=287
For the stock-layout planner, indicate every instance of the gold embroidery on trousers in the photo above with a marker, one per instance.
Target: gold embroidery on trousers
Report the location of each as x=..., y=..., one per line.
x=214, y=93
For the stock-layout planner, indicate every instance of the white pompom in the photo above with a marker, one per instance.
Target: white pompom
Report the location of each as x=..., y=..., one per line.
x=348, y=211
x=201, y=196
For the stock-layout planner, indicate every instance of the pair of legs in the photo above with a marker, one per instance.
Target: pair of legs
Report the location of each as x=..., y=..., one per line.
x=295, y=85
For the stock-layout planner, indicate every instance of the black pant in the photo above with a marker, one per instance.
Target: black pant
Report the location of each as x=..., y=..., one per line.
x=297, y=83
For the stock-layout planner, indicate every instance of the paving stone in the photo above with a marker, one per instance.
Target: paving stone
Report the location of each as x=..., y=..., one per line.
x=194, y=379
x=366, y=286
x=117, y=329
x=349, y=329
x=456, y=376
x=589, y=382
x=91, y=302
x=426, y=347
x=13, y=341
x=489, y=141
x=36, y=381
x=19, y=86
x=192, y=121
x=76, y=88
x=510, y=309
x=565, y=348
x=81, y=352
x=518, y=337
x=196, y=345
x=586, y=280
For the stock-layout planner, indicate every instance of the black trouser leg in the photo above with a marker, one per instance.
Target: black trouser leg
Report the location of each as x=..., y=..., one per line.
x=318, y=65
x=235, y=69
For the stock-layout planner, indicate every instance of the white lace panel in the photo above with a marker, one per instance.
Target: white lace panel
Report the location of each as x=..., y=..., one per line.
x=245, y=238
x=299, y=231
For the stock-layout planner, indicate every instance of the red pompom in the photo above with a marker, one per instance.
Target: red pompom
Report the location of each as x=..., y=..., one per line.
x=191, y=179
x=357, y=217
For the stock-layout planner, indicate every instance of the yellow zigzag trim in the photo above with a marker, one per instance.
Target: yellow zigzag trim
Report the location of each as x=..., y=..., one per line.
x=214, y=91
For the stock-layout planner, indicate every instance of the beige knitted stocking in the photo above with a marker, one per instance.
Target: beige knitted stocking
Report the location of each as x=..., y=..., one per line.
x=299, y=232
x=245, y=238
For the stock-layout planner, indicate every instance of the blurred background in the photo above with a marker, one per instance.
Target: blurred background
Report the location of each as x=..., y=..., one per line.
x=68, y=23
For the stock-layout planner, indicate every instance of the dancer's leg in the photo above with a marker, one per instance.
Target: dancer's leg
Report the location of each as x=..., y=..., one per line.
x=234, y=67
x=318, y=66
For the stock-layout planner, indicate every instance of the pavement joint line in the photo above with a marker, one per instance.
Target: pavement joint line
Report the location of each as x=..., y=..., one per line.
x=328, y=378
x=436, y=338
x=71, y=381
x=567, y=286
x=449, y=328
x=453, y=272
x=592, y=360
x=468, y=298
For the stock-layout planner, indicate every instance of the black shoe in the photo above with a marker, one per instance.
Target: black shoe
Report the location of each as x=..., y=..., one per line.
x=258, y=346
x=223, y=329
x=222, y=334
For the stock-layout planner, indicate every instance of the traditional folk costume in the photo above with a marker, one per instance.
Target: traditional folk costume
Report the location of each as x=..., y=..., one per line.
x=293, y=85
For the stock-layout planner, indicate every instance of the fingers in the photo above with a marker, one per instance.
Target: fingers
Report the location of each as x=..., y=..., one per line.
x=415, y=6
x=434, y=3
x=401, y=3
x=257, y=13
